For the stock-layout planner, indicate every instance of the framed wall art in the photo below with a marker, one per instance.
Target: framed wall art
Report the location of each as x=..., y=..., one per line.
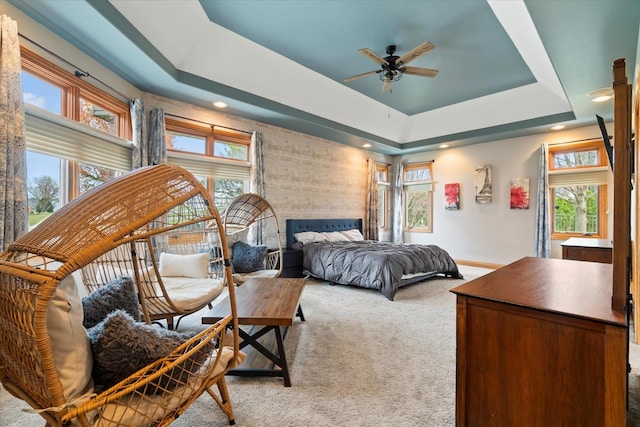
x=483, y=184
x=519, y=193
x=452, y=196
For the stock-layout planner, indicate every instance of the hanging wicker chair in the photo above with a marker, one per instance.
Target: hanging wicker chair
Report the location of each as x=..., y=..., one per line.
x=244, y=211
x=133, y=215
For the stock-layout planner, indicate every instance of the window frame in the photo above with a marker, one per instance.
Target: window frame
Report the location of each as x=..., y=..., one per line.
x=383, y=190
x=211, y=135
x=194, y=128
x=72, y=90
x=571, y=147
x=409, y=183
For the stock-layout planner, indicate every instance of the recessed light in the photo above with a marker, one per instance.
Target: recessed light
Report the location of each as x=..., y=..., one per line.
x=367, y=145
x=443, y=146
x=220, y=104
x=558, y=127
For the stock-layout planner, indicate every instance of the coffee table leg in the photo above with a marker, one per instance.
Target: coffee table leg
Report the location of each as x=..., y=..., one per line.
x=283, y=358
x=279, y=360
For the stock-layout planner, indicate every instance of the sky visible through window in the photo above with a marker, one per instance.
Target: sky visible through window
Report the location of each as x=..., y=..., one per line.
x=46, y=96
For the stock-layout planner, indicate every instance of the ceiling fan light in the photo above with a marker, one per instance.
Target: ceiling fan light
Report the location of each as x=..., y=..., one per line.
x=602, y=98
x=390, y=76
x=601, y=95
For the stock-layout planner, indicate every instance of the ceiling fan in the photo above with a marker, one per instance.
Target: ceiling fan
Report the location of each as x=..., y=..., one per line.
x=393, y=66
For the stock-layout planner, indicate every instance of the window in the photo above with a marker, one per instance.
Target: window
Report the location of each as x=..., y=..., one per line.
x=382, y=176
x=418, y=197
x=64, y=158
x=200, y=138
x=219, y=158
x=578, y=175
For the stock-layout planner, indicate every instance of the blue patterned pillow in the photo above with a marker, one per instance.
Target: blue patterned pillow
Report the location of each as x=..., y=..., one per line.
x=248, y=258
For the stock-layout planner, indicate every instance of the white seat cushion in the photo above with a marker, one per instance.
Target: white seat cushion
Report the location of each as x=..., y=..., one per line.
x=188, y=293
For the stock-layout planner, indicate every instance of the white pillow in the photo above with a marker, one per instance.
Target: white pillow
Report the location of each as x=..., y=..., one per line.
x=237, y=236
x=174, y=265
x=69, y=341
x=353, y=235
x=310, y=237
x=336, y=236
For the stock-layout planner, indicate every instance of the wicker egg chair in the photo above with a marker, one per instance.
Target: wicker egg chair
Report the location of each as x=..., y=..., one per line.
x=244, y=211
x=127, y=214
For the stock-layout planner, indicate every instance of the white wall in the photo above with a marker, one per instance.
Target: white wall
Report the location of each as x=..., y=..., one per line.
x=490, y=233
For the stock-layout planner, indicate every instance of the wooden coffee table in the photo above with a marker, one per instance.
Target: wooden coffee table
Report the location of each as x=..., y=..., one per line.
x=268, y=304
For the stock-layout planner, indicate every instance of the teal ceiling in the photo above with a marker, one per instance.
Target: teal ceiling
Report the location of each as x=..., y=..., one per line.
x=474, y=54
x=506, y=68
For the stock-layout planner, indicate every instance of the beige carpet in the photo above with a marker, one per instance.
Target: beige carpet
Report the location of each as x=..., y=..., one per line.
x=358, y=360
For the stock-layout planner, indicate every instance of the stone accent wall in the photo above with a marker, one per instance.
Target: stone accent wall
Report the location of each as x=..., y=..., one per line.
x=306, y=177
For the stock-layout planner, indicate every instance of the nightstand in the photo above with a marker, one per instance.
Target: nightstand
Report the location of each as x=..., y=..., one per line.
x=291, y=263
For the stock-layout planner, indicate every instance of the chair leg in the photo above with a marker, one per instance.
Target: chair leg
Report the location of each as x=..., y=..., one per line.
x=224, y=402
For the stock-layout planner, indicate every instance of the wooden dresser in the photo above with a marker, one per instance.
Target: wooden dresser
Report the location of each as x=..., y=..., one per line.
x=587, y=249
x=538, y=344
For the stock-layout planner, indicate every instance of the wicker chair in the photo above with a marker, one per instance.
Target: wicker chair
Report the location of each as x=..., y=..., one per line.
x=244, y=211
x=164, y=297
x=135, y=211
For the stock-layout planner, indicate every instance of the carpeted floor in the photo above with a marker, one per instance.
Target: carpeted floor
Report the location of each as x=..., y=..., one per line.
x=358, y=360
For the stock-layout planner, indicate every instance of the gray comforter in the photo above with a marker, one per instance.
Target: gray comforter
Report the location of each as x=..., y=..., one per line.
x=376, y=265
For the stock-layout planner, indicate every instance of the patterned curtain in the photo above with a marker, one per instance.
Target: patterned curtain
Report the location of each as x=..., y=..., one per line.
x=138, y=125
x=151, y=150
x=543, y=227
x=14, y=201
x=258, y=233
x=371, y=230
x=398, y=212
x=157, y=138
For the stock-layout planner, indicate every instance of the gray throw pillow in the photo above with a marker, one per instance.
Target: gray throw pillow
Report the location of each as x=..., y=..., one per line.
x=248, y=258
x=120, y=293
x=121, y=346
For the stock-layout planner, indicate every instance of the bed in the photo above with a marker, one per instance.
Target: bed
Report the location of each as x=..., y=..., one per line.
x=351, y=260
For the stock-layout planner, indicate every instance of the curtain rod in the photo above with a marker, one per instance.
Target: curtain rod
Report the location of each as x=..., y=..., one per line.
x=79, y=72
x=208, y=124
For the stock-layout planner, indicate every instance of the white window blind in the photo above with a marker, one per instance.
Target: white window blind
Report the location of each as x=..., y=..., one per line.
x=52, y=134
x=208, y=166
x=412, y=187
x=590, y=176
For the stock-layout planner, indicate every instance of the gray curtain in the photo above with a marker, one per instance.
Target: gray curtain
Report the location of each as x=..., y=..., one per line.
x=258, y=234
x=14, y=208
x=398, y=212
x=152, y=149
x=139, y=129
x=543, y=227
x=371, y=230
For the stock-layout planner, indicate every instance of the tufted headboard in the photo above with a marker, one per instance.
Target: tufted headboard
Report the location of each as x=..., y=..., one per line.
x=320, y=225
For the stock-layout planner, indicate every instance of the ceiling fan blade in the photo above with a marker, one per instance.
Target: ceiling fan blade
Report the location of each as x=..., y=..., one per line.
x=386, y=85
x=373, y=56
x=415, y=52
x=416, y=71
x=357, y=76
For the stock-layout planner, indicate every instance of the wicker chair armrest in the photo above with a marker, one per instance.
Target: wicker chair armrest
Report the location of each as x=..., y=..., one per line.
x=272, y=260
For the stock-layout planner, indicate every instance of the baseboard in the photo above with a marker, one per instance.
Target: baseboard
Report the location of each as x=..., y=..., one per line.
x=479, y=264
